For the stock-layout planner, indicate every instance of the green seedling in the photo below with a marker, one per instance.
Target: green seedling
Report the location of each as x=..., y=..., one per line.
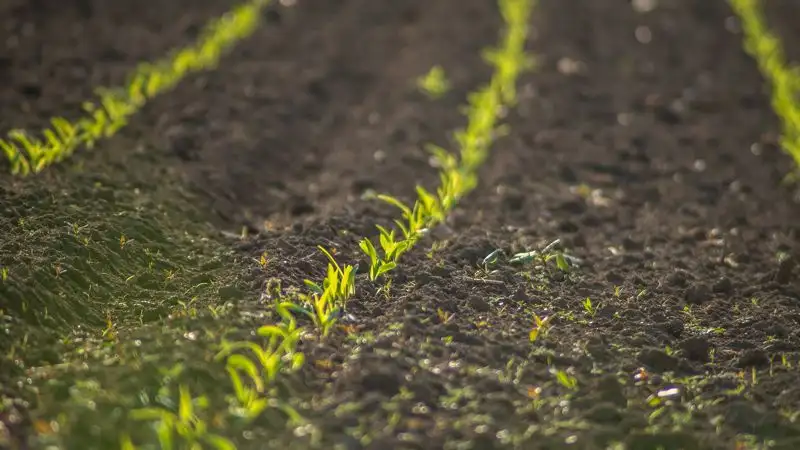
x=19, y=162
x=328, y=299
x=262, y=261
x=249, y=400
x=590, y=309
x=444, y=316
x=281, y=343
x=541, y=327
x=565, y=379
x=548, y=253
x=379, y=265
x=191, y=431
x=458, y=171
x=435, y=83
x=436, y=247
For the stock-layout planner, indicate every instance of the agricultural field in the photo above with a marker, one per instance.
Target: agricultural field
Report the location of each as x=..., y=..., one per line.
x=461, y=224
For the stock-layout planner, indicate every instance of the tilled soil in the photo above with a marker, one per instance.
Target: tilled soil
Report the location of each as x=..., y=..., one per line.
x=53, y=54
x=644, y=141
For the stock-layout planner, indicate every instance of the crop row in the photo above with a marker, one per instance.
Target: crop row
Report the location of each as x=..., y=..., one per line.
x=31, y=153
x=253, y=367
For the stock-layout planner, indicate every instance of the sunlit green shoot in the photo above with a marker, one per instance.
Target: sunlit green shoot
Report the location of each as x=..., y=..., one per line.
x=458, y=170
x=541, y=326
x=184, y=428
x=435, y=83
x=565, y=379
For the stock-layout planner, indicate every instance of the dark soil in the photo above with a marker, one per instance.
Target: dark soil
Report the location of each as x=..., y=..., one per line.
x=644, y=141
x=54, y=53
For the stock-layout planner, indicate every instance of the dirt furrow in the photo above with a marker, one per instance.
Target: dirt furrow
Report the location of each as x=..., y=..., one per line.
x=646, y=143
x=317, y=107
x=285, y=112
x=782, y=17
x=54, y=54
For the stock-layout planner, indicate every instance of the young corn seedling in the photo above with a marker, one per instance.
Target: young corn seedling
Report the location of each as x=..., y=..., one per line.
x=458, y=171
x=19, y=162
x=434, y=84
x=249, y=401
x=36, y=152
x=565, y=379
x=590, y=309
x=191, y=431
x=541, y=326
x=426, y=211
x=330, y=298
x=548, y=253
x=282, y=340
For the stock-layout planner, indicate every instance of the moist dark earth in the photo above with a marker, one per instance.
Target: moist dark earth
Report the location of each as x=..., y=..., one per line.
x=644, y=141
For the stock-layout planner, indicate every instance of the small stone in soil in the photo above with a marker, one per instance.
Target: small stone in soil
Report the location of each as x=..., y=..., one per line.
x=677, y=279
x=752, y=358
x=657, y=359
x=385, y=383
x=674, y=327
x=784, y=273
x=697, y=294
x=614, y=277
x=722, y=286
x=423, y=278
x=479, y=303
x=696, y=348
x=520, y=295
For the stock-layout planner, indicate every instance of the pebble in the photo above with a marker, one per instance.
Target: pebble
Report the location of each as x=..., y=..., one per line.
x=385, y=383
x=679, y=278
x=478, y=303
x=615, y=277
x=657, y=359
x=785, y=268
x=521, y=295
x=753, y=358
x=696, y=348
x=722, y=286
x=423, y=278
x=674, y=327
x=697, y=294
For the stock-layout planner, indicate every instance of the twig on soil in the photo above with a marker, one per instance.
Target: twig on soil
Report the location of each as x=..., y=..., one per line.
x=483, y=281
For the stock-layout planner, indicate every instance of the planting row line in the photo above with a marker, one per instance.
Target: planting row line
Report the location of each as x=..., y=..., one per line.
x=28, y=153
x=323, y=302
x=766, y=48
